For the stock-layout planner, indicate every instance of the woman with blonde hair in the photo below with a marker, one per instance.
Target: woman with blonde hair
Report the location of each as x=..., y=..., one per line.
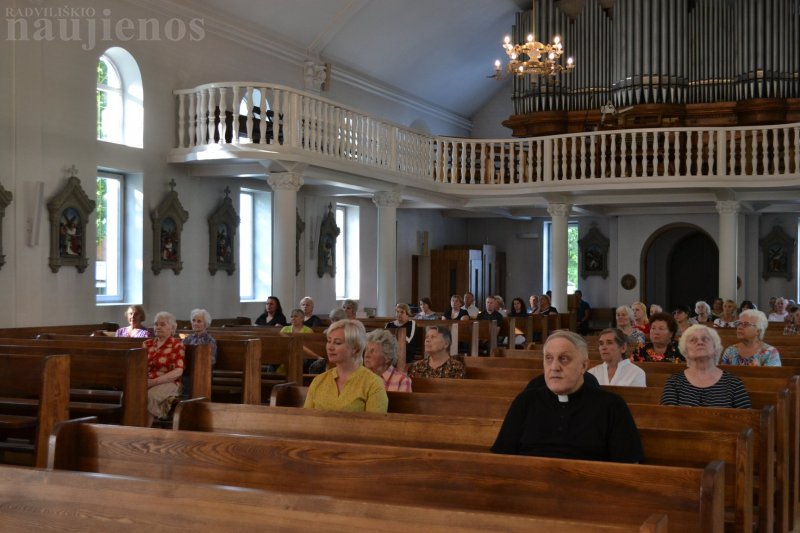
x=348, y=386
x=640, y=320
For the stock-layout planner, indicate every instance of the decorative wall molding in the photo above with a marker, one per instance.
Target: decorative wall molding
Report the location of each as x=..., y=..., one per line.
x=222, y=225
x=168, y=220
x=69, y=214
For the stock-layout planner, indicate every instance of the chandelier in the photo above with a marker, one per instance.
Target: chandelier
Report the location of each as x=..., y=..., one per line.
x=533, y=57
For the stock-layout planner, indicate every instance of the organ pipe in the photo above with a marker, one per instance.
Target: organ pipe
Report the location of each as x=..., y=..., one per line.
x=664, y=51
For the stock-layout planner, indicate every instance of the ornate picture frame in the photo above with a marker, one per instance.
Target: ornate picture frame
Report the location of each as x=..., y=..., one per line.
x=222, y=225
x=777, y=251
x=168, y=220
x=326, y=249
x=593, y=253
x=5, y=201
x=69, y=214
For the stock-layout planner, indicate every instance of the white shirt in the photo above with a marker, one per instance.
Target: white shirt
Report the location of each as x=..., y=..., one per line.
x=627, y=374
x=472, y=311
x=777, y=317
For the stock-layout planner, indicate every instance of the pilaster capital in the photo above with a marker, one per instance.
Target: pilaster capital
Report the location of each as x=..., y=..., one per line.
x=728, y=207
x=559, y=210
x=387, y=198
x=288, y=181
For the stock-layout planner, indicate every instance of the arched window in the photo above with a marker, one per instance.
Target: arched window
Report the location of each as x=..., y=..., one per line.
x=109, y=101
x=120, y=99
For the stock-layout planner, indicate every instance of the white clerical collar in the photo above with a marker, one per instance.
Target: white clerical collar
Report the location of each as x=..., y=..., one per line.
x=563, y=398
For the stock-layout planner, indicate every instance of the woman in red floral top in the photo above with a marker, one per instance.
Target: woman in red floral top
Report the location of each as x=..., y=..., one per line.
x=165, y=360
x=662, y=347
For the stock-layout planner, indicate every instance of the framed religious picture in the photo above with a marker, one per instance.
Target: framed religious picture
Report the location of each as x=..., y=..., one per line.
x=777, y=250
x=326, y=250
x=5, y=201
x=69, y=214
x=593, y=253
x=222, y=225
x=168, y=220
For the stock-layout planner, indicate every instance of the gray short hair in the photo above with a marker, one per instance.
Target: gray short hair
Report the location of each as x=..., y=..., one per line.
x=203, y=313
x=352, y=303
x=169, y=317
x=697, y=328
x=575, y=339
x=704, y=305
x=336, y=314
x=758, y=318
x=628, y=310
x=387, y=343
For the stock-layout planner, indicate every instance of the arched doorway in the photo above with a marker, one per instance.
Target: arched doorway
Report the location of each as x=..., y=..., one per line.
x=680, y=263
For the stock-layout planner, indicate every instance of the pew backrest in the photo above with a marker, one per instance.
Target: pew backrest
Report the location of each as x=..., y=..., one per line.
x=693, y=498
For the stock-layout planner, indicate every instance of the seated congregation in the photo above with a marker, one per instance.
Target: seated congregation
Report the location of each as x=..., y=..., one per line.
x=593, y=397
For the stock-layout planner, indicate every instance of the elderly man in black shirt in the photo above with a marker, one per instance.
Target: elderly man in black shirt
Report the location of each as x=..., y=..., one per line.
x=563, y=416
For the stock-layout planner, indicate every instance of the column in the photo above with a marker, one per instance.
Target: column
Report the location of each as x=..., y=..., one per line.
x=559, y=214
x=284, y=232
x=728, y=251
x=387, y=202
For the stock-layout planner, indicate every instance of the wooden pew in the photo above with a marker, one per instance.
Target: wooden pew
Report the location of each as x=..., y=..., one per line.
x=143, y=504
x=99, y=366
x=738, y=454
x=37, y=500
x=32, y=332
x=239, y=356
x=692, y=498
x=44, y=379
x=662, y=446
x=120, y=373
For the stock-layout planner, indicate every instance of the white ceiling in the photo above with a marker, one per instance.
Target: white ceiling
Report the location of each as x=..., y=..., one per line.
x=438, y=51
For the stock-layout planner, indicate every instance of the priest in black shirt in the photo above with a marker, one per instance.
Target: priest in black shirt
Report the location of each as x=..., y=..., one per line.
x=562, y=416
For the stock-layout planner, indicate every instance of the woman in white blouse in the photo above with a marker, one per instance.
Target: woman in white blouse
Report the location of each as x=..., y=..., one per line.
x=616, y=370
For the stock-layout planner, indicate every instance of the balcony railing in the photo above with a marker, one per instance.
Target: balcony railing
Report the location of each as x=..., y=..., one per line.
x=298, y=122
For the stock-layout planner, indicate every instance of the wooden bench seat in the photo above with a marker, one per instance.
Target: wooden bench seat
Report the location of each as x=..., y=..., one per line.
x=122, y=371
x=661, y=446
x=197, y=363
x=692, y=498
x=44, y=380
x=35, y=500
x=738, y=456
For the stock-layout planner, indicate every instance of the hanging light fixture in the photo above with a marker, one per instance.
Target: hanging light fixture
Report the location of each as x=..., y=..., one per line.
x=532, y=57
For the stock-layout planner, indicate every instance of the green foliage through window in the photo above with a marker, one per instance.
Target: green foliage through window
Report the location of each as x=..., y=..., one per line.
x=572, y=255
x=102, y=210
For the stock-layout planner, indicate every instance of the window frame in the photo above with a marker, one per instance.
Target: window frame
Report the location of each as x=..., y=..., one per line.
x=118, y=212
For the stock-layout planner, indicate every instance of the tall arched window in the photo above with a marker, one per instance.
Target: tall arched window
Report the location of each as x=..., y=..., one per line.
x=120, y=99
x=109, y=101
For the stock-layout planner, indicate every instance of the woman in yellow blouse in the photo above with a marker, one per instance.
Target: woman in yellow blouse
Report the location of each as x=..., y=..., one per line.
x=348, y=386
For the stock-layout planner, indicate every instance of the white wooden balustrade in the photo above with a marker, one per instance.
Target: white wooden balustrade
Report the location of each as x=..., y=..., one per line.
x=286, y=120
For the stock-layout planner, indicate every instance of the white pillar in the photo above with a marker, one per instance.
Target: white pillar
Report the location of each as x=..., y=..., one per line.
x=284, y=232
x=559, y=214
x=387, y=202
x=728, y=248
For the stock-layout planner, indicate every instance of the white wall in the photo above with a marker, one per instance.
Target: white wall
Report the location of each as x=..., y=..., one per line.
x=488, y=122
x=47, y=122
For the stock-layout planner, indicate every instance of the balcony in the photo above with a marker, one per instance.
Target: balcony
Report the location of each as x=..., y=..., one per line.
x=222, y=125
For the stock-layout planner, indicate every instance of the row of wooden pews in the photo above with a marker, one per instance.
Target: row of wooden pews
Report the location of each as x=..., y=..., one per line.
x=36, y=500
x=604, y=493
